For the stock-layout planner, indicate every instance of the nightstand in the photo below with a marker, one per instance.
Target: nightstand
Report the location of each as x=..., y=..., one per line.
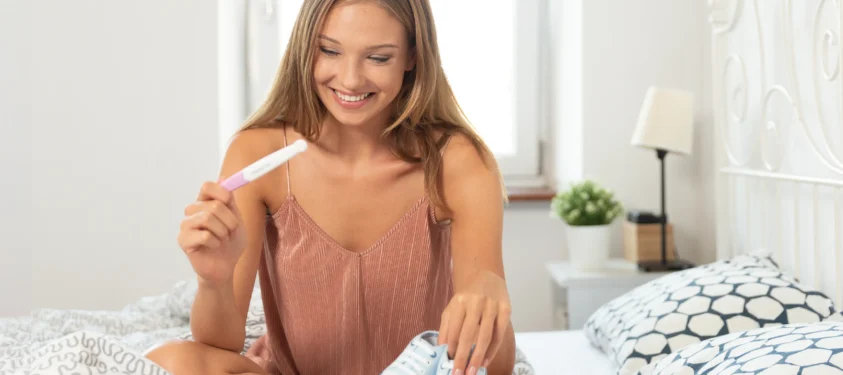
x=579, y=293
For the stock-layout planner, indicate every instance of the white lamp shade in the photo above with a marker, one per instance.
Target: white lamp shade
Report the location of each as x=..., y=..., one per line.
x=666, y=121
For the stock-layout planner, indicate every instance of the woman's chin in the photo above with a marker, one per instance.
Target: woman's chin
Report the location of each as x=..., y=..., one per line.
x=357, y=118
x=353, y=120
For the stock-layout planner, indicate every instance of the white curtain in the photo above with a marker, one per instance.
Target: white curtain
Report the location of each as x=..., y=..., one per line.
x=249, y=51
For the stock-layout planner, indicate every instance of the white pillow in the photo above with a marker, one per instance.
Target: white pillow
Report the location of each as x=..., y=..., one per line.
x=813, y=348
x=684, y=308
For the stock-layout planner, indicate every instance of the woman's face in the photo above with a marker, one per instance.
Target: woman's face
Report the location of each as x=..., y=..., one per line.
x=360, y=63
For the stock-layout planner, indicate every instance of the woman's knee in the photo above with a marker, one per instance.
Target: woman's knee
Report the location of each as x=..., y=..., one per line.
x=183, y=357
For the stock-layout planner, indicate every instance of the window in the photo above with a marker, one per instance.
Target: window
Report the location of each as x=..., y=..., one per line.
x=490, y=54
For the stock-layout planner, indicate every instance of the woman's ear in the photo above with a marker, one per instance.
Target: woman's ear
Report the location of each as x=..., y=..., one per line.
x=411, y=61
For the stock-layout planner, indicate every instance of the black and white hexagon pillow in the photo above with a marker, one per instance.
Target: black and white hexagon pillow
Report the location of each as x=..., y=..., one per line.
x=790, y=349
x=686, y=307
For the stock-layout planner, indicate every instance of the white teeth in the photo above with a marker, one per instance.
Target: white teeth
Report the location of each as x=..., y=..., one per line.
x=351, y=98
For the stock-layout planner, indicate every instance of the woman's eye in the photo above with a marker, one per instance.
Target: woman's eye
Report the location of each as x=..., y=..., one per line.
x=379, y=59
x=328, y=52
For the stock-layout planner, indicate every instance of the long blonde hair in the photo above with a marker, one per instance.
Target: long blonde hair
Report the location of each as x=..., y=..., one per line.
x=427, y=112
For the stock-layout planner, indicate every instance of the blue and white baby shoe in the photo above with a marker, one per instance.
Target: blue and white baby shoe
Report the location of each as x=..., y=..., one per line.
x=423, y=357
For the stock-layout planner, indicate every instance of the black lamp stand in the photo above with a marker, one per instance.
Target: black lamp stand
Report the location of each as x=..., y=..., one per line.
x=664, y=265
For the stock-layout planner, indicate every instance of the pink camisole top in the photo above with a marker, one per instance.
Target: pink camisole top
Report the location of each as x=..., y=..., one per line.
x=330, y=310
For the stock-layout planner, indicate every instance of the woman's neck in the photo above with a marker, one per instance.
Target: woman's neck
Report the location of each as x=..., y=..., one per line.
x=353, y=143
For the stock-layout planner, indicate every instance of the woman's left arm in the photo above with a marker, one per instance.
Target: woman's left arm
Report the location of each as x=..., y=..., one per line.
x=479, y=313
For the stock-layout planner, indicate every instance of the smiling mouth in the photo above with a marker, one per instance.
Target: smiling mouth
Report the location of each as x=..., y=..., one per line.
x=351, y=98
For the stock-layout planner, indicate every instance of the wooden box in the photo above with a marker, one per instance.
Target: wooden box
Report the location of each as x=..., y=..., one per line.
x=642, y=242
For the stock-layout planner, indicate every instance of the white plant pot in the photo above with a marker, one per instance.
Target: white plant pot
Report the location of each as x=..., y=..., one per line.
x=588, y=246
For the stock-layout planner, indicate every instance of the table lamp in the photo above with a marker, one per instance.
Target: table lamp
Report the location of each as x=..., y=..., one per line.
x=665, y=124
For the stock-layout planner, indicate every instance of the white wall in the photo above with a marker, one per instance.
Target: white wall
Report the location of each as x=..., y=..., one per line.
x=122, y=113
x=15, y=163
x=531, y=239
x=624, y=47
x=628, y=47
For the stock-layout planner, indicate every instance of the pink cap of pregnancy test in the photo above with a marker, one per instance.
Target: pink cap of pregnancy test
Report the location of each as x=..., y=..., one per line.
x=235, y=181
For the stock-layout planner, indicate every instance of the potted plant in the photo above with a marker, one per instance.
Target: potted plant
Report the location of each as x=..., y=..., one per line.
x=587, y=211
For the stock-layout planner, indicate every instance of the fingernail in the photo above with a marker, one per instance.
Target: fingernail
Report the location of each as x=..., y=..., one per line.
x=458, y=372
x=472, y=370
x=485, y=363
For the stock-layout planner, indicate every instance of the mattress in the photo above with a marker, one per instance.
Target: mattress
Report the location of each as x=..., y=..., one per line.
x=563, y=352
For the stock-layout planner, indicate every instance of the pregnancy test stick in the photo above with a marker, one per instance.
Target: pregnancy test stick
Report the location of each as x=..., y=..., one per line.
x=264, y=165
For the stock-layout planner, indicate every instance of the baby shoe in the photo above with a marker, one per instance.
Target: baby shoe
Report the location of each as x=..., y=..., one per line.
x=423, y=357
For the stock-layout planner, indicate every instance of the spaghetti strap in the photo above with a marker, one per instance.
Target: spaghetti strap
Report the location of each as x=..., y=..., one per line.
x=287, y=167
x=447, y=140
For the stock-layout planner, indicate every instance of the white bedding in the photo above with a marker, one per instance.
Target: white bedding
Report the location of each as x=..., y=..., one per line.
x=51, y=341
x=563, y=352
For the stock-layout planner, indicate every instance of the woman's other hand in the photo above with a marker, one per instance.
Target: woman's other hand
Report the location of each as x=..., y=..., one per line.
x=476, y=318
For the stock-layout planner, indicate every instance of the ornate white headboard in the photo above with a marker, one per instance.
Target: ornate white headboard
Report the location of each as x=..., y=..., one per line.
x=778, y=101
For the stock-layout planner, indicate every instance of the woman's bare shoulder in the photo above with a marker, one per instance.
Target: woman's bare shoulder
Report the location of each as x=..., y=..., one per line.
x=462, y=156
x=466, y=171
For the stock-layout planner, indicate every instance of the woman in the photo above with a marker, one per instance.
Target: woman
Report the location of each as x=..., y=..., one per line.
x=387, y=226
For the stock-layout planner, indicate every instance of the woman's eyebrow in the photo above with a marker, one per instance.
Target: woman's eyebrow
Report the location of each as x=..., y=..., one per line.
x=329, y=39
x=385, y=45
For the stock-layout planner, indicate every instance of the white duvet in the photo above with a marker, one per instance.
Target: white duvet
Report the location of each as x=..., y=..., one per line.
x=104, y=342
x=53, y=341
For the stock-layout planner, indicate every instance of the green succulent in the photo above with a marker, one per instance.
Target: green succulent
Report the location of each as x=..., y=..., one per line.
x=585, y=203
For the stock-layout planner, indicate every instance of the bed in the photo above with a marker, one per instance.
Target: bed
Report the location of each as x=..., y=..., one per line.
x=51, y=341
x=563, y=352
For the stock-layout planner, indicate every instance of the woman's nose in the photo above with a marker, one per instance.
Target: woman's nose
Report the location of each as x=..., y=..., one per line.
x=351, y=76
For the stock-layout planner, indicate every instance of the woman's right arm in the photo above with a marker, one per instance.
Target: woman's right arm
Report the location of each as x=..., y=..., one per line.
x=222, y=235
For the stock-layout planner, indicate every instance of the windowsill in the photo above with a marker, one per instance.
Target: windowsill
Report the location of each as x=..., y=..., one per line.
x=530, y=194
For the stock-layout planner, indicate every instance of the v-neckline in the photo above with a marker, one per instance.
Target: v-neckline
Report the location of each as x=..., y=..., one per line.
x=291, y=200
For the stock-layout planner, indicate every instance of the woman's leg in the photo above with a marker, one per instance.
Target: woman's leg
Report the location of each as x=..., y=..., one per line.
x=183, y=357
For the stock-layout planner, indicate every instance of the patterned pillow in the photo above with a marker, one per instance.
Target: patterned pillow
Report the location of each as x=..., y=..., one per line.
x=683, y=308
x=807, y=349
